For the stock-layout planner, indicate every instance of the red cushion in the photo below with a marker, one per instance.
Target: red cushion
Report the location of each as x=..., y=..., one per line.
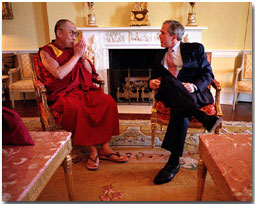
x=14, y=130
x=163, y=113
x=160, y=107
x=209, y=109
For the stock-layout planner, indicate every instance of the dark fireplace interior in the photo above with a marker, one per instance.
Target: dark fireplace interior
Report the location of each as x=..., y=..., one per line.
x=128, y=75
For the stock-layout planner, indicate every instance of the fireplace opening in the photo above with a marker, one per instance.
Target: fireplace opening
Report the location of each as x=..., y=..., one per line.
x=128, y=75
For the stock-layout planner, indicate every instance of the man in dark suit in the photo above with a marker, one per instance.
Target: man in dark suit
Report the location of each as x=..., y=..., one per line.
x=181, y=74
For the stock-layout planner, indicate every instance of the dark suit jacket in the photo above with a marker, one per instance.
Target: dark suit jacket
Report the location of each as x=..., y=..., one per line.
x=196, y=69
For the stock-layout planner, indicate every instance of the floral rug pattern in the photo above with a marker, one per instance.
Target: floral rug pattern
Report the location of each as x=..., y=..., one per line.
x=137, y=133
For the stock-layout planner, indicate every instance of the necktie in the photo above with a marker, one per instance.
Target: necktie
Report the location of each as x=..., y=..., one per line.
x=170, y=63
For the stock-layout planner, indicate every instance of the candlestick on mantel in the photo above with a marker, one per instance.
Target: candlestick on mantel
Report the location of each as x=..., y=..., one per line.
x=192, y=15
x=91, y=15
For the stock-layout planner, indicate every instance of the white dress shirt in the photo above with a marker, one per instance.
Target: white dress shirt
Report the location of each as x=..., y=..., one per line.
x=177, y=58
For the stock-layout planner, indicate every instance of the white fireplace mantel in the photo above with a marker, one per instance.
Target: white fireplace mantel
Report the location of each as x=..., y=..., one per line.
x=100, y=39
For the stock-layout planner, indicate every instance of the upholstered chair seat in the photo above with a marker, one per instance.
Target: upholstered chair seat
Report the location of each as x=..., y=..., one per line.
x=22, y=85
x=244, y=86
x=163, y=113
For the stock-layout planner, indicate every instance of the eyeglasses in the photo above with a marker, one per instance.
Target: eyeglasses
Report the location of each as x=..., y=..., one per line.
x=73, y=33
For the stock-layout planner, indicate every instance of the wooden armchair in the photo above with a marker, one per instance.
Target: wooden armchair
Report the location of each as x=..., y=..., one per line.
x=47, y=119
x=161, y=115
x=243, y=77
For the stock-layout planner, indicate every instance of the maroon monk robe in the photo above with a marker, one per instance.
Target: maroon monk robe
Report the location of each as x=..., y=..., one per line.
x=77, y=104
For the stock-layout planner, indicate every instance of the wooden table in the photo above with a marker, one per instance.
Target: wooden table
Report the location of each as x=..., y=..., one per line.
x=27, y=169
x=5, y=86
x=228, y=159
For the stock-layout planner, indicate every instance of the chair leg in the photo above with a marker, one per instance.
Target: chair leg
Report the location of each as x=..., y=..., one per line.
x=201, y=176
x=234, y=101
x=68, y=169
x=12, y=99
x=217, y=129
x=153, y=127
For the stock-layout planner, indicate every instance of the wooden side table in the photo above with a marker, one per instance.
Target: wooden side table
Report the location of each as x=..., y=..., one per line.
x=5, y=86
x=228, y=159
x=27, y=169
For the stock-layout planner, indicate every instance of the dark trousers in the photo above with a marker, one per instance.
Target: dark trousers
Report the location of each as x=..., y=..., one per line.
x=183, y=105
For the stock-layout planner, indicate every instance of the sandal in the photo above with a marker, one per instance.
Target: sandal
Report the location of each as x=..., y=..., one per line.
x=93, y=167
x=119, y=159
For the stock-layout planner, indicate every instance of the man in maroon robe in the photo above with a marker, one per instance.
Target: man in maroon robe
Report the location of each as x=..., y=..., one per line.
x=76, y=103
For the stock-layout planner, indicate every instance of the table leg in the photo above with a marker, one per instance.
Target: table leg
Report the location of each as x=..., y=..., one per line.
x=67, y=164
x=201, y=174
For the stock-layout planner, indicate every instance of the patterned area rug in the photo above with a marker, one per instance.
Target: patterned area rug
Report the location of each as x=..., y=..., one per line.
x=137, y=133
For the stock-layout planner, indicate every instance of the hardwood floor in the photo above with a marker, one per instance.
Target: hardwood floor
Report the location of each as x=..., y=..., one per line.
x=242, y=112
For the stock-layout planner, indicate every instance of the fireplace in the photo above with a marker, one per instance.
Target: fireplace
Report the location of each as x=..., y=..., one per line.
x=128, y=74
x=105, y=43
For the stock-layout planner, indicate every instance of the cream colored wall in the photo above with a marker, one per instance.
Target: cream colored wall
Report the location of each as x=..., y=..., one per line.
x=226, y=23
x=33, y=24
x=28, y=29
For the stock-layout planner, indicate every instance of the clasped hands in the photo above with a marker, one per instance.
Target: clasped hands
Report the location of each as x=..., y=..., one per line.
x=154, y=84
x=79, y=48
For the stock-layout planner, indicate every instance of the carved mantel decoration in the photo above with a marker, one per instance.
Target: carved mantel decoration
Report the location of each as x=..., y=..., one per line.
x=140, y=14
x=100, y=40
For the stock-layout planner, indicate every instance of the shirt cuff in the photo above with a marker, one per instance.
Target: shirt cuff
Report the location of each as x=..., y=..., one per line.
x=195, y=87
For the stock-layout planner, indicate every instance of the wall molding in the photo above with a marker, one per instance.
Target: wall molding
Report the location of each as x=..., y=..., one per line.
x=226, y=96
x=19, y=51
x=226, y=53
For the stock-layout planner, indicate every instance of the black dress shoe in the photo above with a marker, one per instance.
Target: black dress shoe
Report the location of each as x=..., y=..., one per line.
x=212, y=122
x=166, y=174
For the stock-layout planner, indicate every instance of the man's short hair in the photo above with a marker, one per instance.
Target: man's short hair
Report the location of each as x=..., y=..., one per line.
x=60, y=23
x=175, y=28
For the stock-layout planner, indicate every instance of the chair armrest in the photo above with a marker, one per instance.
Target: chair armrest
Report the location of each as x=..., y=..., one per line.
x=40, y=86
x=12, y=72
x=237, y=72
x=98, y=81
x=41, y=98
x=216, y=85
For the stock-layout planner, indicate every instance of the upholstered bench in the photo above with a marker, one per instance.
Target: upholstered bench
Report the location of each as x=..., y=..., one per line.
x=228, y=159
x=27, y=169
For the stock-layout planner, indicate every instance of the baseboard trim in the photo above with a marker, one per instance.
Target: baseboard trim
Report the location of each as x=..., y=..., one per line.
x=227, y=96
